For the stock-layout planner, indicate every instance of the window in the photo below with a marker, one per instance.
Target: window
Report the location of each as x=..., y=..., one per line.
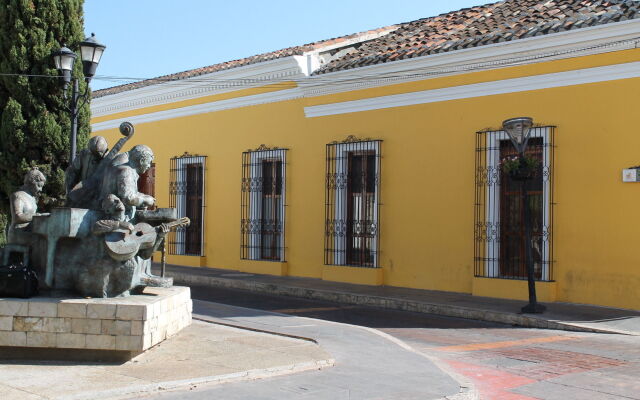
x=352, y=222
x=186, y=194
x=263, y=204
x=499, y=211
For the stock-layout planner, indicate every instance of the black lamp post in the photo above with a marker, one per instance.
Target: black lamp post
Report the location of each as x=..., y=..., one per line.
x=518, y=130
x=90, y=52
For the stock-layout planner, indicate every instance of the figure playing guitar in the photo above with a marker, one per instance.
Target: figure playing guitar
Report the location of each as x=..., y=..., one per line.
x=123, y=240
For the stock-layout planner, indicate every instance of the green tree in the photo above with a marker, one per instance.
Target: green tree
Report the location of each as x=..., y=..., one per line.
x=34, y=125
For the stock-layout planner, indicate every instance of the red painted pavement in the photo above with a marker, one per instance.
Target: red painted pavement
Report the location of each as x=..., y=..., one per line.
x=492, y=384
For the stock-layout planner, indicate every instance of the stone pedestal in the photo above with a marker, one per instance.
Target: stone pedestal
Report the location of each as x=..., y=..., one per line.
x=115, y=328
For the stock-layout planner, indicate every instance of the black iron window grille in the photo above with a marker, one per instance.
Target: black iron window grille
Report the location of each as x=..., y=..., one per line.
x=352, y=203
x=499, y=213
x=187, y=195
x=263, y=202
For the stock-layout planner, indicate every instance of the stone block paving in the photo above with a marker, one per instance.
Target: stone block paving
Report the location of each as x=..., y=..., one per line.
x=550, y=363
x=526, y=364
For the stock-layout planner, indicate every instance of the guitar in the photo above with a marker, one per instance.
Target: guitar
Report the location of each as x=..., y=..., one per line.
x=122, y=245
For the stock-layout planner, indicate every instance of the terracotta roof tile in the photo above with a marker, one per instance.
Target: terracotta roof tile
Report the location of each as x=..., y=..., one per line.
x=287, y=52
x=470, y=27
x=491, y=23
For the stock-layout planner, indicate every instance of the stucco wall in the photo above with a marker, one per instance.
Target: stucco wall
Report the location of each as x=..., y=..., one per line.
x=427, y=187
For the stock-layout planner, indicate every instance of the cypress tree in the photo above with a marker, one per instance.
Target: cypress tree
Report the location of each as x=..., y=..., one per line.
x=34, y=124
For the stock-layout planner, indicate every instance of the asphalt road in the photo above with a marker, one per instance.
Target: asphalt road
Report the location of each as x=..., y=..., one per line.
x=328, y=311
x=503, y=362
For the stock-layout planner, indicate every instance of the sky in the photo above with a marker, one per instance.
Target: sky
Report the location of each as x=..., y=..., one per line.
x=151, y=38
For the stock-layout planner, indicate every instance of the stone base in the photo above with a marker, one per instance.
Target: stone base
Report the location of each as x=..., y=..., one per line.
x=125, y=326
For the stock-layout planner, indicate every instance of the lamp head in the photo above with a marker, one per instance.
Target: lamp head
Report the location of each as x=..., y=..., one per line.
x=90, y=52
x=64, y=59
x=518, y=130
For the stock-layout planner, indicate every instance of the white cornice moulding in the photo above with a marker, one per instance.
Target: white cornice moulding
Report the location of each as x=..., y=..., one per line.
x=221, y=105
x=546, y=81
x=576, y=43
x=579, y=42
x=248, y=76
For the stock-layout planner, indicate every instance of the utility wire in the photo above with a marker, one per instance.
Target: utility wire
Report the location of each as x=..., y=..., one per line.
x=322, y=80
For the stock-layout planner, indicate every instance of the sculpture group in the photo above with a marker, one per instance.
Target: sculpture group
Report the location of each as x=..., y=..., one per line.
x=100, y=245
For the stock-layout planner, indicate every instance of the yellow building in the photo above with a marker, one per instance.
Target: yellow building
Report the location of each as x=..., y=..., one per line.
x=378, y=158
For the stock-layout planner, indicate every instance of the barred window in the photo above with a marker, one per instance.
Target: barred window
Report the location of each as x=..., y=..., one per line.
x=186, y=194
x=352, y=219
x=263, y=204
x=499, y=212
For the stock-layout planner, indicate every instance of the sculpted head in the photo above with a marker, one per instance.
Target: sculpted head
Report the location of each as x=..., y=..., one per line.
x=35, y=180
x=141, y=157
x=112, y=205
x=98, y=146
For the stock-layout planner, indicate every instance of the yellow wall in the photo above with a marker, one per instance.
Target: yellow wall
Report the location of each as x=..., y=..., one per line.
x=428, y=179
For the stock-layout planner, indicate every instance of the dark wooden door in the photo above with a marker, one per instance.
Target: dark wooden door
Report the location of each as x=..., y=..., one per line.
x=361, y=208
x=512, y=227
x=194, y=193
x=271, y=209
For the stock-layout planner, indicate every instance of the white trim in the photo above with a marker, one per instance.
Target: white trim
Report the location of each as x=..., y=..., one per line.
x=340, y=200
x=545, y=81
x=492, y=201
x=536, y=82
x=293, y=68
x=592, y=40
x=248, y=76
x=576, y=43
x=255, y=199
x=213, y=106
x=181, y=201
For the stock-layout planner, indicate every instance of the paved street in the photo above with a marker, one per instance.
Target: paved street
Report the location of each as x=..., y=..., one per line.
x=362, y=356
x=503, y=362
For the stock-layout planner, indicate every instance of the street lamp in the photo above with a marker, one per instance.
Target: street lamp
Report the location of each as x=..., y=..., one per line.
x=518, y=130
x=90, y=52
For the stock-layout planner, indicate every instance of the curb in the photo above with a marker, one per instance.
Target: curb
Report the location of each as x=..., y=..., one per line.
x=218, y=321
x=386, y=302
x=253, y=374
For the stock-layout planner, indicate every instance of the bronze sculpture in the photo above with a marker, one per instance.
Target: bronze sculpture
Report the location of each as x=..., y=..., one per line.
x=69, y=245
x=24, y=203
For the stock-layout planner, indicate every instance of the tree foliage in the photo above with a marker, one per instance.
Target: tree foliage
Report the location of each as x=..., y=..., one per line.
x=34, y=124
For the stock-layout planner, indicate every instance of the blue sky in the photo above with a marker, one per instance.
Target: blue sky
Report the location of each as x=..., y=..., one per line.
x=150, y=38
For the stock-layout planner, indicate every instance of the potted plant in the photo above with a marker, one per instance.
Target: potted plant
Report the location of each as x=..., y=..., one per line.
x=520, y=167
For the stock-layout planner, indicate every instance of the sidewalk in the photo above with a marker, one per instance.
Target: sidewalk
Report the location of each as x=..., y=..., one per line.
x=202, y=354
x=563, y=316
